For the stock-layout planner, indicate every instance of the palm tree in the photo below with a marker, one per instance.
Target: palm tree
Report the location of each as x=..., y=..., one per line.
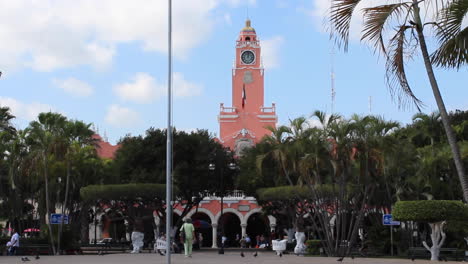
x=280, y=140
x=78, y=137
x=46, y=140
x=406, y=15
x=453, y=50
x=5, y=120
x=429, y=126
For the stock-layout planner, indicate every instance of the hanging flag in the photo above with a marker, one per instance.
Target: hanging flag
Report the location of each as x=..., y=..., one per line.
x=244, y=97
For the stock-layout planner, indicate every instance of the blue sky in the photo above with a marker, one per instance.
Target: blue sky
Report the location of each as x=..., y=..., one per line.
x=104, y=62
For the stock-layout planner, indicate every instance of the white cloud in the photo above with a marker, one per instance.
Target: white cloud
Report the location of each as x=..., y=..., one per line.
x=74, y=87
x=47, y=35
x=121, y=116
x=282, y=4
x=236, y=3
x=145, y=89
x=25, y=111
x=184, y=88
x=270, y=52
x=227, y=19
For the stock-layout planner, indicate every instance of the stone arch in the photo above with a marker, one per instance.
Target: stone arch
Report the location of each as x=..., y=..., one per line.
x=251, y=212
x=229, y=210
x=205, y=211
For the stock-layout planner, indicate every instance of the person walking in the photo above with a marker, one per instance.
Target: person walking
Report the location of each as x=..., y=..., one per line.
x=188, y=230
x=247, y=241
x=14, y=243
x=200, y=239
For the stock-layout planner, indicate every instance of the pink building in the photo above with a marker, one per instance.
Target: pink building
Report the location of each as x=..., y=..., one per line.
x=245, y=123
x=241, y=126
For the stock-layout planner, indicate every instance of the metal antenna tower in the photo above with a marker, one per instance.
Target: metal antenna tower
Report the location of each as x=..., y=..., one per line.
x=332, y=79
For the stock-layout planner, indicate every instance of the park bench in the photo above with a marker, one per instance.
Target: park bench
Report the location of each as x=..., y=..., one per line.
x=449, y=253
x=33, y=249
x=103, y=248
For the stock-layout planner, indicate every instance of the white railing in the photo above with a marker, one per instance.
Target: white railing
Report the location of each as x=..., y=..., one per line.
x=271, y=109
x=253, y=44
x=230, y=195
x=227, y=109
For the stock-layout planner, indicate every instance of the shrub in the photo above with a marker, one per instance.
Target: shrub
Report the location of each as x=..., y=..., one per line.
x=430, y=211
x=313, y=247
x=123, y=191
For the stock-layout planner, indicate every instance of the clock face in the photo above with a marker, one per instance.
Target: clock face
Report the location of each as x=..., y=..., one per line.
x=248, y=57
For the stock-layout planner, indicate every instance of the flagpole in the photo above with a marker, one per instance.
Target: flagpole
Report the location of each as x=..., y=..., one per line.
x=169, y=141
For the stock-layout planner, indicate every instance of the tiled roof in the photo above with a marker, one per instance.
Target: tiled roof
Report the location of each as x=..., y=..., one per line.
x=105, y=150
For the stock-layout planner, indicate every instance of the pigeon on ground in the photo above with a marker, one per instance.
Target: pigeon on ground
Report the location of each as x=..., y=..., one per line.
x=340, y=259
x=352, y=256
x=160, y=253
x=24, y=259
x=255, y=254
x=242, y=254
x=412, y=258
x=37, y=257
x=281, y=254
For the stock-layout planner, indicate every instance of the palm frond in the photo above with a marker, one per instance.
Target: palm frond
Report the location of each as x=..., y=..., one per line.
x=340, y=17
x=375, y=19
x=395, y=71
x=453, y=51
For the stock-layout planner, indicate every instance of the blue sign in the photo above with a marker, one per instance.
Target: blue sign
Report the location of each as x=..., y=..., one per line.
x=387, y=219
x=56, y=219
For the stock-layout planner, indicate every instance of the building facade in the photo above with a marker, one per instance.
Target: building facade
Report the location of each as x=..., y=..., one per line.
x=245, y=123
x=242, y=125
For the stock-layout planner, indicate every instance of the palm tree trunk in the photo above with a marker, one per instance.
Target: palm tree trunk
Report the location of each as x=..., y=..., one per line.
x=51, y=236
x=64, y=205
x=440, y=104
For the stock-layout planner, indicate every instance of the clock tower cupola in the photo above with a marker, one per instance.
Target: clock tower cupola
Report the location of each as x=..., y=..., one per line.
x=245, y=123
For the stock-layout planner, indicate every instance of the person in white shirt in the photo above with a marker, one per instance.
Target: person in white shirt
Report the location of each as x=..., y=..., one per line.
x=14, y=243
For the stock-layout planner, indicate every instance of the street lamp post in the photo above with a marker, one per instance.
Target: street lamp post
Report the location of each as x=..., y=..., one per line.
x=212, y=167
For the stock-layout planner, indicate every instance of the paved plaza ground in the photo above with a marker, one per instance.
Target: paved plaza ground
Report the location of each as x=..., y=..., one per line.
x=199, y=258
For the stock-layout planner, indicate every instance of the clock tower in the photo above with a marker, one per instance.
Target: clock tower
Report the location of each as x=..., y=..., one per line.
x=245, y=123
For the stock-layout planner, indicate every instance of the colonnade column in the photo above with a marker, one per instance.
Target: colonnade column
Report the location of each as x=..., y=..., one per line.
x=244, y=229
x=272, y=227
x=215, y=232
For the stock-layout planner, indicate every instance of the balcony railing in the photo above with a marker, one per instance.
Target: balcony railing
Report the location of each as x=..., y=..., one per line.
x=230, y=110
x=271, y=109
x=253, y=44
x=229, y=195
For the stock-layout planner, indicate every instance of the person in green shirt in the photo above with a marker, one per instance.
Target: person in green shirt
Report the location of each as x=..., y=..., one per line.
x=189, y=231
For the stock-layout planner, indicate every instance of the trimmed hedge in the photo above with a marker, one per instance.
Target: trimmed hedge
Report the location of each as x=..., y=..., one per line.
x=282, y=193
x=430, y=211
x=123, y=191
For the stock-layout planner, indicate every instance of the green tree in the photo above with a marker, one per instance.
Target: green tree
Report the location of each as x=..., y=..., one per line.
x=47, y=143
x=406, y=16
x=142, y=160
x=436, y=213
